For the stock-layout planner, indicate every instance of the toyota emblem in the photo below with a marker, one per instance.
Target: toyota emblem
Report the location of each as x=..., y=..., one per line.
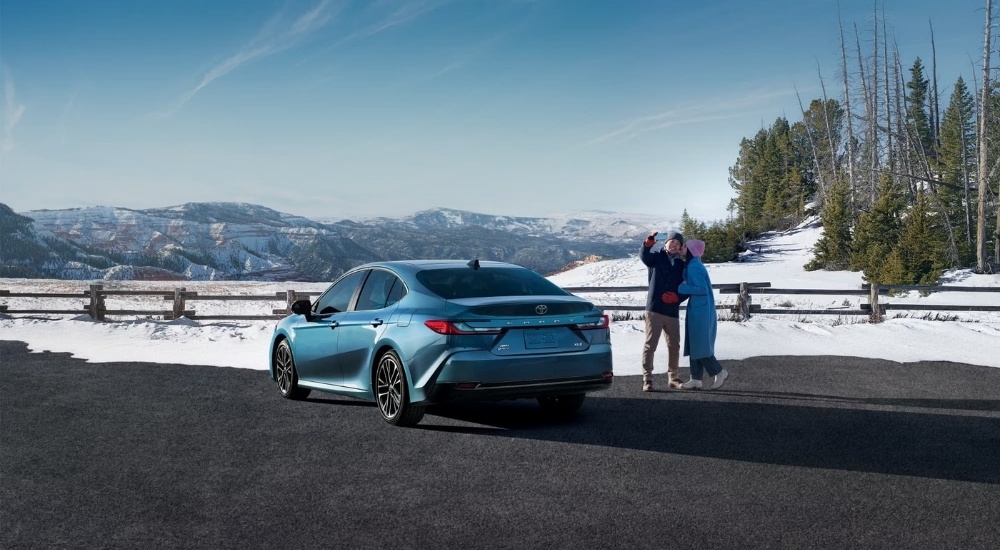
x=541, y=309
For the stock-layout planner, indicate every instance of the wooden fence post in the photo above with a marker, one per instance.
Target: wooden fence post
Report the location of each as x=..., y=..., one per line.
x=289, y=300
x=743, y=301
x=179, y=302
x=875, y=315
x=96, y=308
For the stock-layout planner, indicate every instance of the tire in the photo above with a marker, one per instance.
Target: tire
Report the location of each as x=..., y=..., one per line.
x=562, y=405
x=392, y=395
x=285, y=375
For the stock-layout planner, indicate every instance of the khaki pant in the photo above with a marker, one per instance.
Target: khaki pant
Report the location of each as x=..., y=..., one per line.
x=670, y=327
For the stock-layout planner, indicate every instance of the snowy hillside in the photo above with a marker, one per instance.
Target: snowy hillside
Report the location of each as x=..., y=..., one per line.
x=779, y=259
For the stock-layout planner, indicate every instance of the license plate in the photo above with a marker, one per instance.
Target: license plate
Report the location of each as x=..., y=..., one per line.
x=534, y=339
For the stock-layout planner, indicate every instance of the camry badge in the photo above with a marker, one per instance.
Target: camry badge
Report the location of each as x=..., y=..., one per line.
x=541, y=309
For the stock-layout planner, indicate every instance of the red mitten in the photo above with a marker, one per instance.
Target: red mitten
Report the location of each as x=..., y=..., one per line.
x=669, y=298
x=650, y=241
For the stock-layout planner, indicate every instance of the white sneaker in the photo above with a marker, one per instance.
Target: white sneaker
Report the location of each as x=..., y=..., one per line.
x=691, y=385
x=720, y=379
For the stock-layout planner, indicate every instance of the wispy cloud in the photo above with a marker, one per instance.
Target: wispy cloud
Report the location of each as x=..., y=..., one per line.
x=714, y=109
x=277, y=35
x=396, y=16
x=377, y=17
x=12, y=112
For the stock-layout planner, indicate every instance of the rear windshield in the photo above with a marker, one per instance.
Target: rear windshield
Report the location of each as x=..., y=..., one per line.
x=465, y=282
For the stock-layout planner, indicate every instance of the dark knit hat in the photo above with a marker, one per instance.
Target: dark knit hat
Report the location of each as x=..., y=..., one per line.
x=673, y=236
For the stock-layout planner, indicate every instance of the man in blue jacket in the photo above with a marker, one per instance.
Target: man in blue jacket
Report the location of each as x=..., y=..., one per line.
x=666, y=271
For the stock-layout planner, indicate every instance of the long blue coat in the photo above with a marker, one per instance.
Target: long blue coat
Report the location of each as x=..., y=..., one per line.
x=700, y=323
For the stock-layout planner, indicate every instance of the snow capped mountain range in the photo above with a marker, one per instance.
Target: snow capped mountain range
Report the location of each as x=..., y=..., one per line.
x=222, y=241
x=594, y=225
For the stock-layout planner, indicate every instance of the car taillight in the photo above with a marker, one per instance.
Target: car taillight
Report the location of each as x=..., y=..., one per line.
x=603, y=322
x=449, y=327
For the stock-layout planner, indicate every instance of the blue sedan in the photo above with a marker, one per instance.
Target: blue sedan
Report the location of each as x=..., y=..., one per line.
x=408, y=334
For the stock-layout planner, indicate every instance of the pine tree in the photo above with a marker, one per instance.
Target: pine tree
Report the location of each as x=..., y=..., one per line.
x=770, y=177
x=723, y=240
x=990, y=219
x=750, y=185
x=833, y=249
x=876, y=237
x=823, y=124
x=916, y=109
x=921, y=245
x=957, y=162
x=774, y=169
x=690, y=227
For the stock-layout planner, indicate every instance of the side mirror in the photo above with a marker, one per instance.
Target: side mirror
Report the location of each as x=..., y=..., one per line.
x=301, y=307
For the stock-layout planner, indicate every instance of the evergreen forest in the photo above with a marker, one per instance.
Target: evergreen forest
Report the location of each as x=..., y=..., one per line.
x=902, y=170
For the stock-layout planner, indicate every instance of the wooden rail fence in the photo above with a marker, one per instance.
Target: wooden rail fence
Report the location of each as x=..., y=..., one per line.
x=743, y=308
x=875, y=309
x=96, y=307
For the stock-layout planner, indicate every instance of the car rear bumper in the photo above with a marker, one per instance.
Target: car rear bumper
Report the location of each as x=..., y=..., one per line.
x=450, y=393
x=482, y=376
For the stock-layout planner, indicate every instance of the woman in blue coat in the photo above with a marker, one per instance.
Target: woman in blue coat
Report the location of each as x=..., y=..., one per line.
x=700, y=322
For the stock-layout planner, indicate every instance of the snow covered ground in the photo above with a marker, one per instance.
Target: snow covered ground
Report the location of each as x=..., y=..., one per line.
x=905, y=336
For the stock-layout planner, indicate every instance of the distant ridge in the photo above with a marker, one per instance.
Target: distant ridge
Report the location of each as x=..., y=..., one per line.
x=242, y=241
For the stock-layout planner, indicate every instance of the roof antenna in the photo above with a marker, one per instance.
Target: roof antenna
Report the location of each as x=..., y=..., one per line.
x=474, y=264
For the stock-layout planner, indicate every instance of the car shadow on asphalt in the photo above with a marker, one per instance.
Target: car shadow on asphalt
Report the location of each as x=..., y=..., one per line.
x=329, y=399
x=943, y=404
x=852, y=435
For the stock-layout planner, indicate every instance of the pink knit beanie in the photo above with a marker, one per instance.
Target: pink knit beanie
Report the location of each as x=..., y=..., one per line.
x=696, y=247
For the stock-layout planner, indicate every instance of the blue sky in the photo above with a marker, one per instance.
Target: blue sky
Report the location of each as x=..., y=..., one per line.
x=339, y=108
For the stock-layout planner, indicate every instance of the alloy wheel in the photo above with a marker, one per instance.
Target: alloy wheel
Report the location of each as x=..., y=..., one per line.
x=389, y=386
x=283, y=369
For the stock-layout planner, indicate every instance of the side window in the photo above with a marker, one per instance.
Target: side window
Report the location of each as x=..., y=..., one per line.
x=397, y=293
x=377, y=290
x=338, y=296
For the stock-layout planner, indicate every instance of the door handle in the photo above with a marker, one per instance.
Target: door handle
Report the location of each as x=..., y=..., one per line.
x=334, y=325
x=376, y=322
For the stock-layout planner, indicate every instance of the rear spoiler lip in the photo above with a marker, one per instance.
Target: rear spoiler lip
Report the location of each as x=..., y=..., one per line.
x=507, y=300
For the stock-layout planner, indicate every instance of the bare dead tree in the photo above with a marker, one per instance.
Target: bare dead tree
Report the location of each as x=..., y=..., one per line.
x=869, y=146
x=888, y=108
x=986, y=183
x=935, y=107
x=981, y=138
x=968, y=199
x=874, y=125
x=965, y=181
x=829, y=131
x=848, y=116
x=901, y=134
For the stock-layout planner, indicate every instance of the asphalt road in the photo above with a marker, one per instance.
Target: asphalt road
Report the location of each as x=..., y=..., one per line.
x=794, y=452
